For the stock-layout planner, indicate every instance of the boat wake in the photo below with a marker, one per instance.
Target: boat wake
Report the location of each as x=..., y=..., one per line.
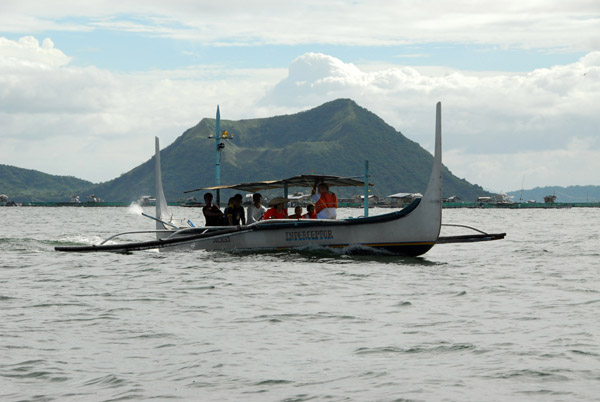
x=135, y=209
x=80, y=239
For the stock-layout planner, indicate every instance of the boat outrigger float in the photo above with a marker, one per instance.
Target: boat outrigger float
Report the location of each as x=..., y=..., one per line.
x=410, y=231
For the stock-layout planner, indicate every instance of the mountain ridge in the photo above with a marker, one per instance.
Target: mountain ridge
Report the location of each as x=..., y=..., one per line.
x=334, y=138
x=21, y=184
x=567, y=194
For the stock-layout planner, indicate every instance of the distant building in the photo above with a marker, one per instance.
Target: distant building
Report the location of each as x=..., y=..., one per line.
x=145, y=200
x=495, y=199
x=501, y=198
x=299, y=198
x=454, y=198
x=403, y=199
x=359, y=201
x=93, y=199
x=549, y=199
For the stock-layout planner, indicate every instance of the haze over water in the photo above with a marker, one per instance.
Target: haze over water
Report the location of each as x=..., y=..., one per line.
x=515, y=319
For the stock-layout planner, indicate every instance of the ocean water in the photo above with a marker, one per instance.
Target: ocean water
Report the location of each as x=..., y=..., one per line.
x=516, y=319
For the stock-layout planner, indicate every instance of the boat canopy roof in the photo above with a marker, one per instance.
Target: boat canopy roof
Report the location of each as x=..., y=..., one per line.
x=304, y=180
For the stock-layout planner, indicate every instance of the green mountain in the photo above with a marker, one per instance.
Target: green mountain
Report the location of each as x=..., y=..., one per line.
x=335, y=138
x=563, y=194
x=30, y=185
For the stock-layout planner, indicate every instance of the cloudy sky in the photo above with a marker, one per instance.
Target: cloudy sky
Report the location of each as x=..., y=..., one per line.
x=84, y=86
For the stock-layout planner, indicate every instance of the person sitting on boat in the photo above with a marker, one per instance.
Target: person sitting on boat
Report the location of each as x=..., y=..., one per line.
x=212, y=213
x=227, y=211
x=297, y=213
x=277, y=209
x=326, y=202
x=310, y=212
x=256, y=210
x=235, y=211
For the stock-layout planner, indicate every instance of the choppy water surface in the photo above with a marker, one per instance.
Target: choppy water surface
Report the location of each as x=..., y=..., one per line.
x=516, y=319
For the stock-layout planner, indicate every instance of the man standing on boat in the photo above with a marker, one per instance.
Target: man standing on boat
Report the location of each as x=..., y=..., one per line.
x=326, y=202
x=256, y=210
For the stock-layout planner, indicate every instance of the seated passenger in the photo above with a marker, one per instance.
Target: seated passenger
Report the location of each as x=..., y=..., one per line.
x=310, y=212
x=212, y=214
x=227, y=211
x=256, y=210
x=277, y=210
x=297, y=213
x=235, y=211
x=326, y=203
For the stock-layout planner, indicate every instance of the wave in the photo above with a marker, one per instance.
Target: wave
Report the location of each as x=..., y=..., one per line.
x=418, y=349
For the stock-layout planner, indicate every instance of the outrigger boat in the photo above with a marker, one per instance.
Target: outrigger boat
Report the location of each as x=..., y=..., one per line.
x=410, y=231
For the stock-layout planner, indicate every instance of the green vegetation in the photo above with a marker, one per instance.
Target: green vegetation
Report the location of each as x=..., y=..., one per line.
x=30, y=185
x=335, y=138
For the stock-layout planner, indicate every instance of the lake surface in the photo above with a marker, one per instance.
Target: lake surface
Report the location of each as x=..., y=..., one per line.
x=516, y=319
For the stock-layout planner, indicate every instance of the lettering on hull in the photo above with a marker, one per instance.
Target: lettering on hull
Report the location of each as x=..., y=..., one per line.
x=301, y=235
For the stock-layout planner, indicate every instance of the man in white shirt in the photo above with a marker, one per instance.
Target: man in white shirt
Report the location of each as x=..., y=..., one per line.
x=255, y=211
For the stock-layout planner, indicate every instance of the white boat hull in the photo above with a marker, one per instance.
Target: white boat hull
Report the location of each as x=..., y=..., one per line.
x=400, y=234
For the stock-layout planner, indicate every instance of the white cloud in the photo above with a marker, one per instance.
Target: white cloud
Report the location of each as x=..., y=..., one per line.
x=552, y=24
x=27, y=51
x=577, y=164
x=97, y=124
x=491, y=121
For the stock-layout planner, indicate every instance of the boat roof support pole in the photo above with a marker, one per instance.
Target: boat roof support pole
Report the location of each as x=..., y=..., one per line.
x=366, y=201
x=285, y=193
x=218, y=157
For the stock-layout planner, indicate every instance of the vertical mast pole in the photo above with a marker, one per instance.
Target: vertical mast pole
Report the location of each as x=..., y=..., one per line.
x=218, y=157
x=366, y=203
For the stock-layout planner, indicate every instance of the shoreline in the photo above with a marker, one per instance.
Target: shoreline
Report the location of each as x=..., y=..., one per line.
x=455, y=205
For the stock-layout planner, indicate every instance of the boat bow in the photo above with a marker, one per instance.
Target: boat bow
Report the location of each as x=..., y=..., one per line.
x=431, y=204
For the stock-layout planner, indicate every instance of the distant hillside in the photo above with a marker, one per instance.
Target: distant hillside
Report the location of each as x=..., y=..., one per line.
x=563, y=194
x=30, y=185
x=335, y=138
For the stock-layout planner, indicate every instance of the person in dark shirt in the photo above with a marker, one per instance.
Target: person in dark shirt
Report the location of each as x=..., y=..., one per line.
x=228, y=211
x=235, y=212
x=212, y=213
